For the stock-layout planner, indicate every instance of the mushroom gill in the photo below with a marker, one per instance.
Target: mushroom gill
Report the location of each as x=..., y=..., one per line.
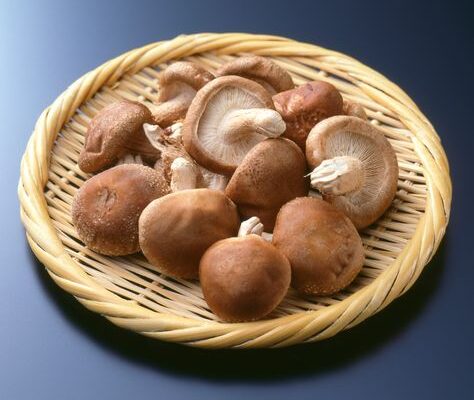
x=355, y=167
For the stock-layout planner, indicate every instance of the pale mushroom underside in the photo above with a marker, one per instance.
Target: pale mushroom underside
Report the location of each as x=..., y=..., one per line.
x=210, y=132
x=373, y=165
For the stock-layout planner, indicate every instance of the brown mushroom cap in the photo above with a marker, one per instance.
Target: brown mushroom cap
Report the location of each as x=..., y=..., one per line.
x=353, y=109
x=176, y=230
x=115, y=131
x=261, y=70
x=106, y=208
x=244, y=278
x=323, y=246
x=271, y=174
x=178, y=83
x=362, y=193
x=306, y=105
x=218, y=133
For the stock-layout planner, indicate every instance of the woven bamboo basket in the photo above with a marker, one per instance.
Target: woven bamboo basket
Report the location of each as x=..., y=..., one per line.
x=131, y=294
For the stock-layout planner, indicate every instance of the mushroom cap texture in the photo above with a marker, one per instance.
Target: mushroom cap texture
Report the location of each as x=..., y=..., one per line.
x=261, y=70
x=352, y=136
x=303, y=107
x=105, y=210
x=211, y=103
x=181, y=79
x=244, y=278
x=176, y=230
x=323, y=246
x=115, y=131
x=271, y=174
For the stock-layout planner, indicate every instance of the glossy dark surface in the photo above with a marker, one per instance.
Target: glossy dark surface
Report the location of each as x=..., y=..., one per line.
x=419, y=347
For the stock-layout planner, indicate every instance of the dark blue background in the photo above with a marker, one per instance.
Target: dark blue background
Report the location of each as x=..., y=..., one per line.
x=52, y=348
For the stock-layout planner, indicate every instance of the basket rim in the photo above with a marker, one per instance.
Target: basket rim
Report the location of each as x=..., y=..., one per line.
x=281, y=331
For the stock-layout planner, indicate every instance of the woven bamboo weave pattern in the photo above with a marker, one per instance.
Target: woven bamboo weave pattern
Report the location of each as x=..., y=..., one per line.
x=131, y=294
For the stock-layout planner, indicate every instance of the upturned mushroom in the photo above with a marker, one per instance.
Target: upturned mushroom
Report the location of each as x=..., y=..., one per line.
x=176, y=230
x=305, y=106
x=261, y=70
x=270, y=175
x=353, y=109
x=244, y=278
x=178, y=85
x=323, y=246
x=115, y=131
x=228, y=117
x=354, y=167
x=105, y=210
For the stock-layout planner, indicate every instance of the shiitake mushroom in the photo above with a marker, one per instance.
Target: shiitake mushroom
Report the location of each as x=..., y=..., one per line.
x=115, y=131
x=178, y=228
x=244, y=278
x=353, y=166
x=106, y=208
x=303, y=107
x=262, y=70
x=271, y=174
x=228, y=117
x=323, y=246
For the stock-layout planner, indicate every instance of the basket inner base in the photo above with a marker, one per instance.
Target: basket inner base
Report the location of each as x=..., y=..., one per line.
x=134, y=279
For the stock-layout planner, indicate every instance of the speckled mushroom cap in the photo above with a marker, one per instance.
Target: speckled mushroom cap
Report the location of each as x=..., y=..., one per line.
x=176, y=230
x=178, y=84
x=115, y=131
x=345, y=137
x=204, y=130
x=323, y=246
x=259, y=69
x=106, y=208
x=243, y=278
x=271, y=174
x=305, y=106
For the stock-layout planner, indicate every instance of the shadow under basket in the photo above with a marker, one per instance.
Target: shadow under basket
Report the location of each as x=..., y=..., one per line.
x=132, y=294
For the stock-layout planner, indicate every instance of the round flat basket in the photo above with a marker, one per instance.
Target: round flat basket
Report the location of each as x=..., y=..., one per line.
x=133, y=295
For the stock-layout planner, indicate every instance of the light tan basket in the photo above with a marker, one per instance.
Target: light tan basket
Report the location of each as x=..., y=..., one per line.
x=131, y=294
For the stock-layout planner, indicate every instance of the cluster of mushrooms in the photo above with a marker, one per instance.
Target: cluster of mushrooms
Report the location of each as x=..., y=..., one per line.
x=213, y=183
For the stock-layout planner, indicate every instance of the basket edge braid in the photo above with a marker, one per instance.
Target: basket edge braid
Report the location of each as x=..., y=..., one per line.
x=284, y=331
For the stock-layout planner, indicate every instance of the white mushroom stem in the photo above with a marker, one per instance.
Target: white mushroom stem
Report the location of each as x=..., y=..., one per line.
x=153, y=132
x=175, y=131
x=251, y=226
x=338, y=176
x=238, y=123
x=183, y=175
